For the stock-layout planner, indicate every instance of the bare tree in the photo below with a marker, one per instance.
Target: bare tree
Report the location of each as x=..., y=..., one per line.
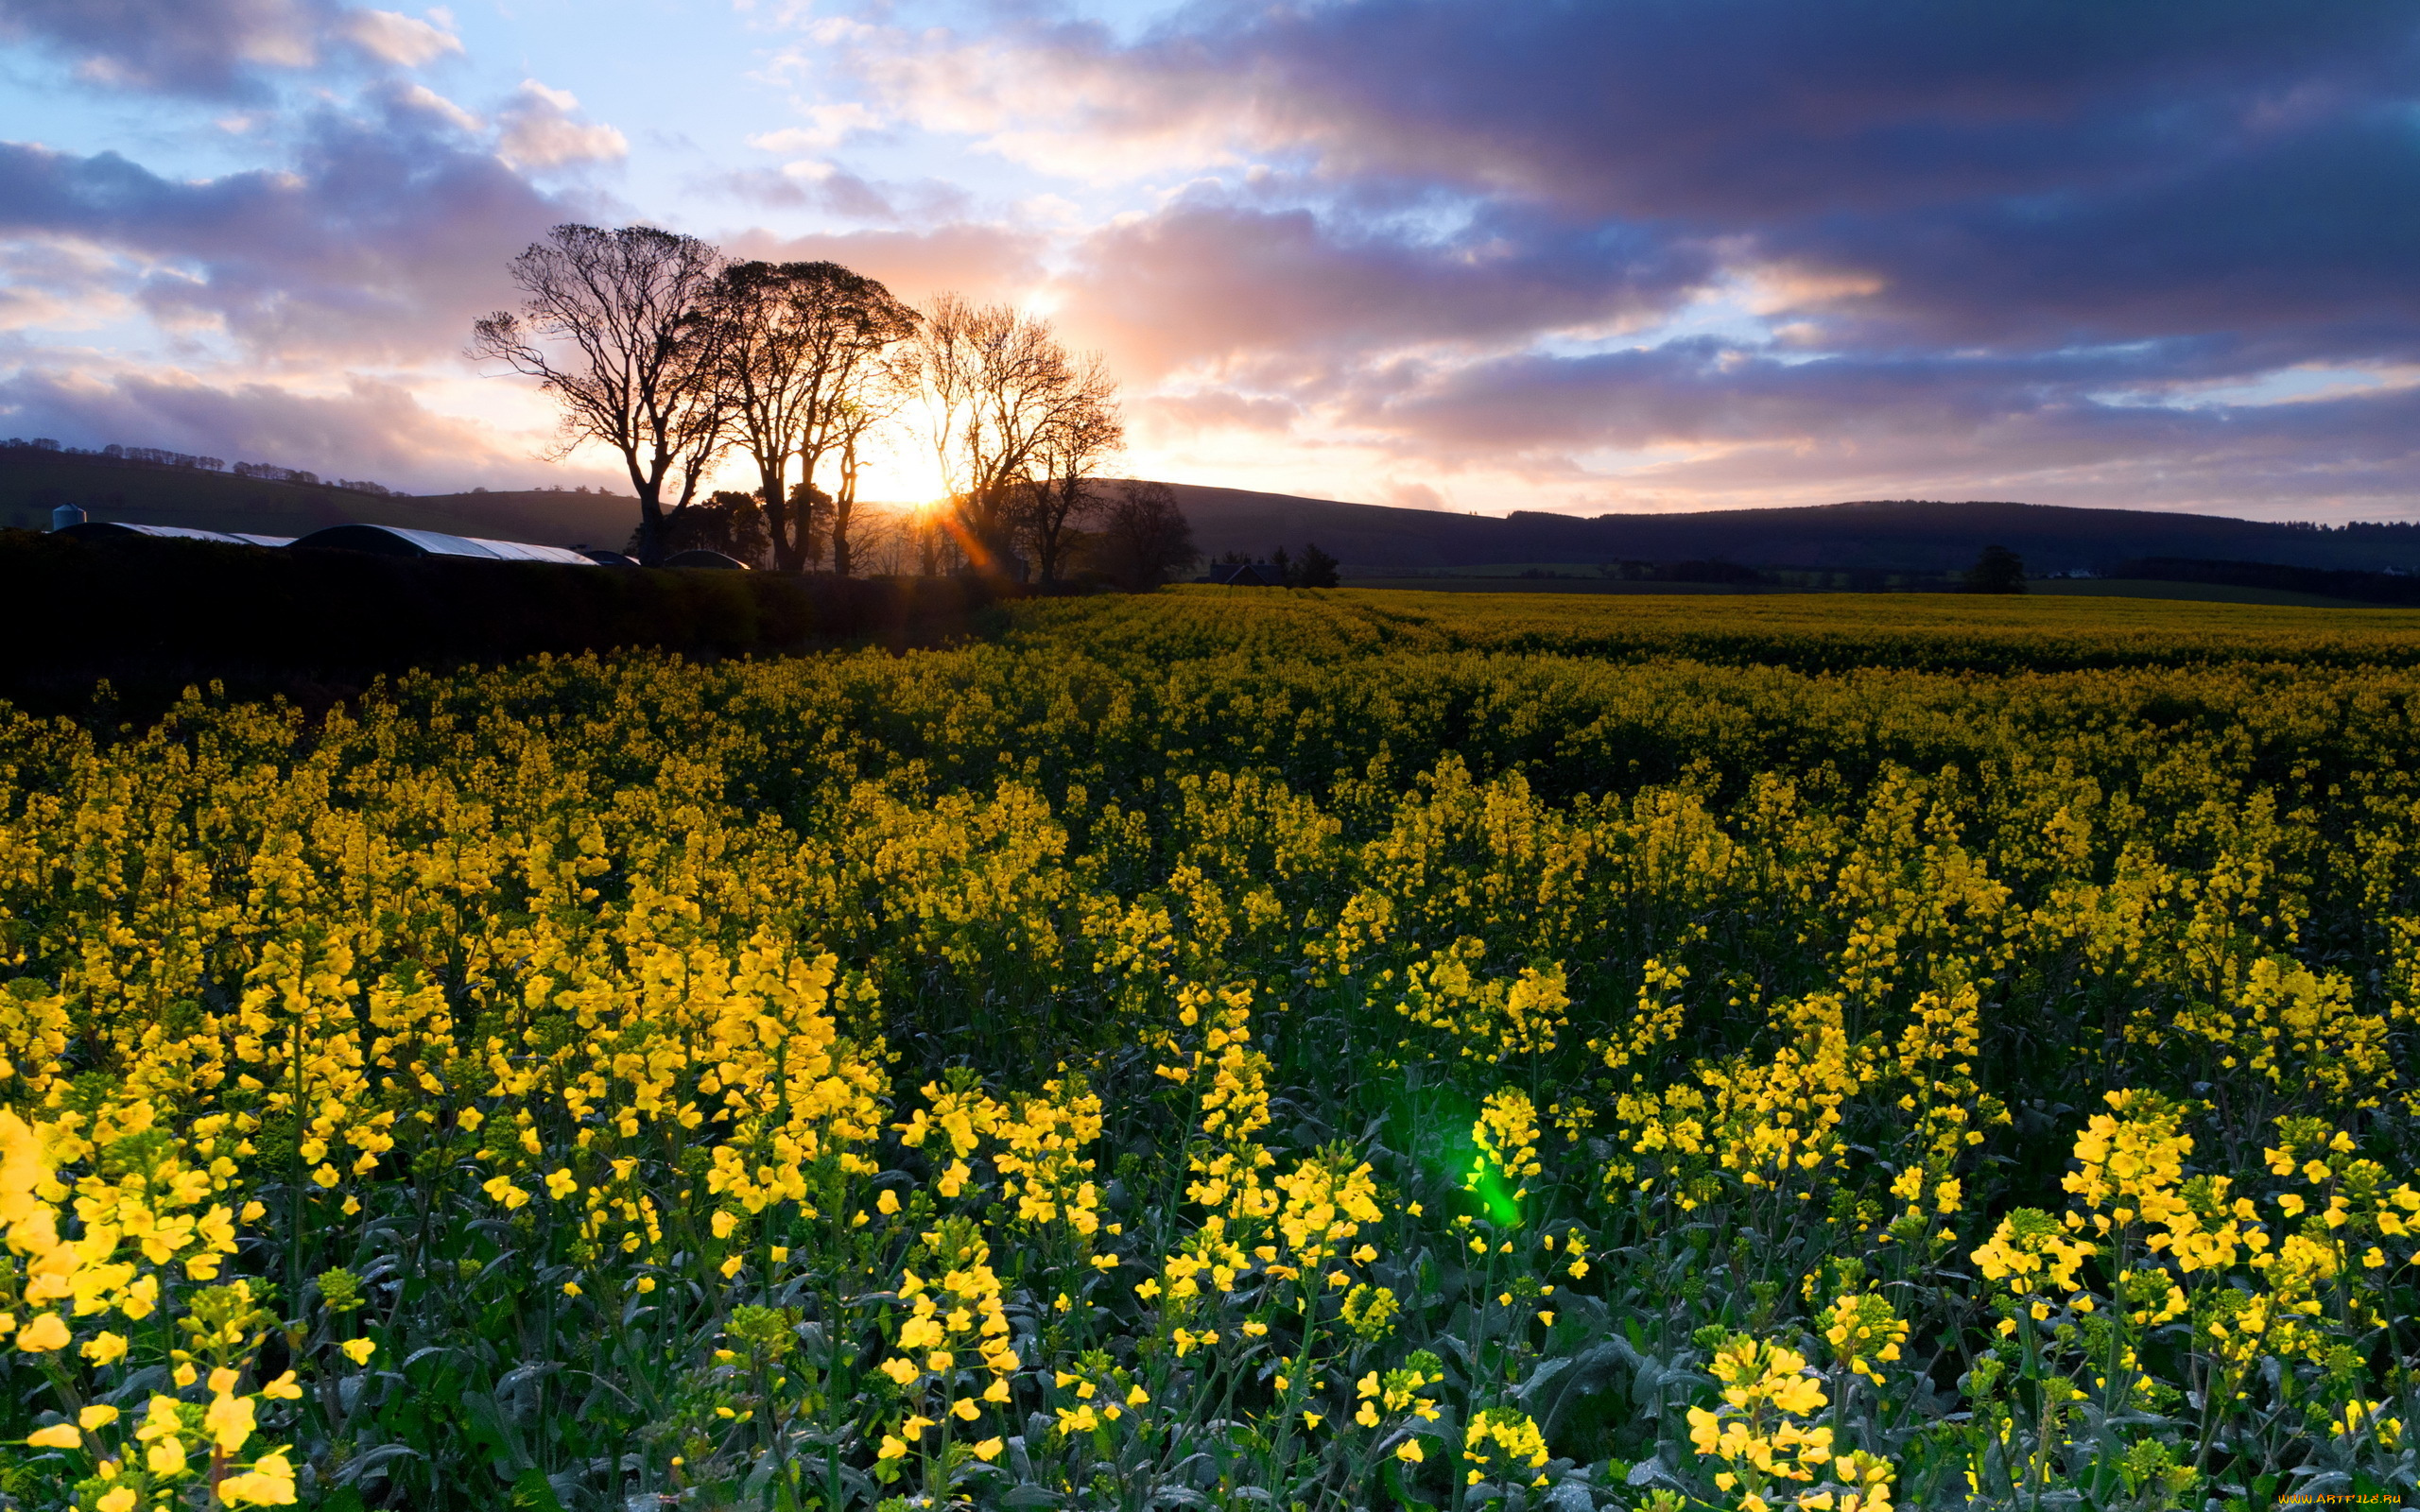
x=1060, y=490
x=994, y=382
x=803, y=339
x=643, y=376
x=1145, y=538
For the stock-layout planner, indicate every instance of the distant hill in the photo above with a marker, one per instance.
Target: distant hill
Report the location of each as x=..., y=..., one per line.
x=1894, y=535
x=32, y=481
x=1372, y=541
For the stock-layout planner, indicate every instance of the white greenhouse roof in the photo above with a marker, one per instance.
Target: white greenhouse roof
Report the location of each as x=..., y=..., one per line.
x=230, y=537
x=400, y=541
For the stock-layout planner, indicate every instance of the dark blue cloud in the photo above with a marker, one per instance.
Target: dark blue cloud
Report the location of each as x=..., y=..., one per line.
x=1727, y=110
x=2118, y=171
x=1982, y=221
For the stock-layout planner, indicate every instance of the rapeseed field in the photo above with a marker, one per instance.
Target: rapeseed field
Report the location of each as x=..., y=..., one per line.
x=1320, y=1051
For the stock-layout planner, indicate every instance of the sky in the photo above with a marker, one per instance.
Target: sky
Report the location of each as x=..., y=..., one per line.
x=1470, y=254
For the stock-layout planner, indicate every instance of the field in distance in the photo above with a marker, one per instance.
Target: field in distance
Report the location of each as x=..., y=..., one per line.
x=1478, y=581
x=1810, y=631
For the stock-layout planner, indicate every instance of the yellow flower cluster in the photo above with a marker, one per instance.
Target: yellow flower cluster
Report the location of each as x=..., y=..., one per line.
x=1760, y=1429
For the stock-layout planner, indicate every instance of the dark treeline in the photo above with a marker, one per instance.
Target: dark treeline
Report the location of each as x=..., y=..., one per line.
x=115, y=455
x=2374, y=588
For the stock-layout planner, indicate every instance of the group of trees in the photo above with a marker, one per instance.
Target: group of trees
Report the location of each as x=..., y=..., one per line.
x=1314, y=568
x=656, y=345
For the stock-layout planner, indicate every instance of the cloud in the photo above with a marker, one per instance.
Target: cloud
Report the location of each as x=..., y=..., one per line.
x=1169, y=417
x=1218, y=285
x=61, y=285
x=383, y=239
x=836, y=191
x=218, y=48
x=980, y=261
x=827, y=127
x=420, y=98
x=397, y=38
x=541, y=129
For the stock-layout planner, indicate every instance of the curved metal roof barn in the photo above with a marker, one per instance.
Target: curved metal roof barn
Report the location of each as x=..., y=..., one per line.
x=394, y=541
x=88, y=529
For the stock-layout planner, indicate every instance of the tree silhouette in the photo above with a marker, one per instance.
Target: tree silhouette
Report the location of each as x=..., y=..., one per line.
x=643, y=374
x=1998, y=569
x=1145, y=539
x=1316, y=569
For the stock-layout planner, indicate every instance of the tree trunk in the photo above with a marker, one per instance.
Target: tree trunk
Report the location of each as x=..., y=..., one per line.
x=790, y=547
x=651, y=491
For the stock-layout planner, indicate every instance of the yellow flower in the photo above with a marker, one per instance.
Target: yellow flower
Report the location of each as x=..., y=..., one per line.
x=228, y=1421
x=269, y=1483
x=989, y=1450
x=58, y=1436
x=359, y=1351
x=43, y=1334
x=1410, y=1452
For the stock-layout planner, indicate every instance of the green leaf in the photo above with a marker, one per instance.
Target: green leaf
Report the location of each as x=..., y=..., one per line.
x=532, y=1493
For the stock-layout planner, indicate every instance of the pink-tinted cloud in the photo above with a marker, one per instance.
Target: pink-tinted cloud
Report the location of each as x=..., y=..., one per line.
x=1206, y=284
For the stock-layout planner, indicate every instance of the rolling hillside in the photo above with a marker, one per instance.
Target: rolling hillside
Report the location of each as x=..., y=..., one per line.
x=1905, y=536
